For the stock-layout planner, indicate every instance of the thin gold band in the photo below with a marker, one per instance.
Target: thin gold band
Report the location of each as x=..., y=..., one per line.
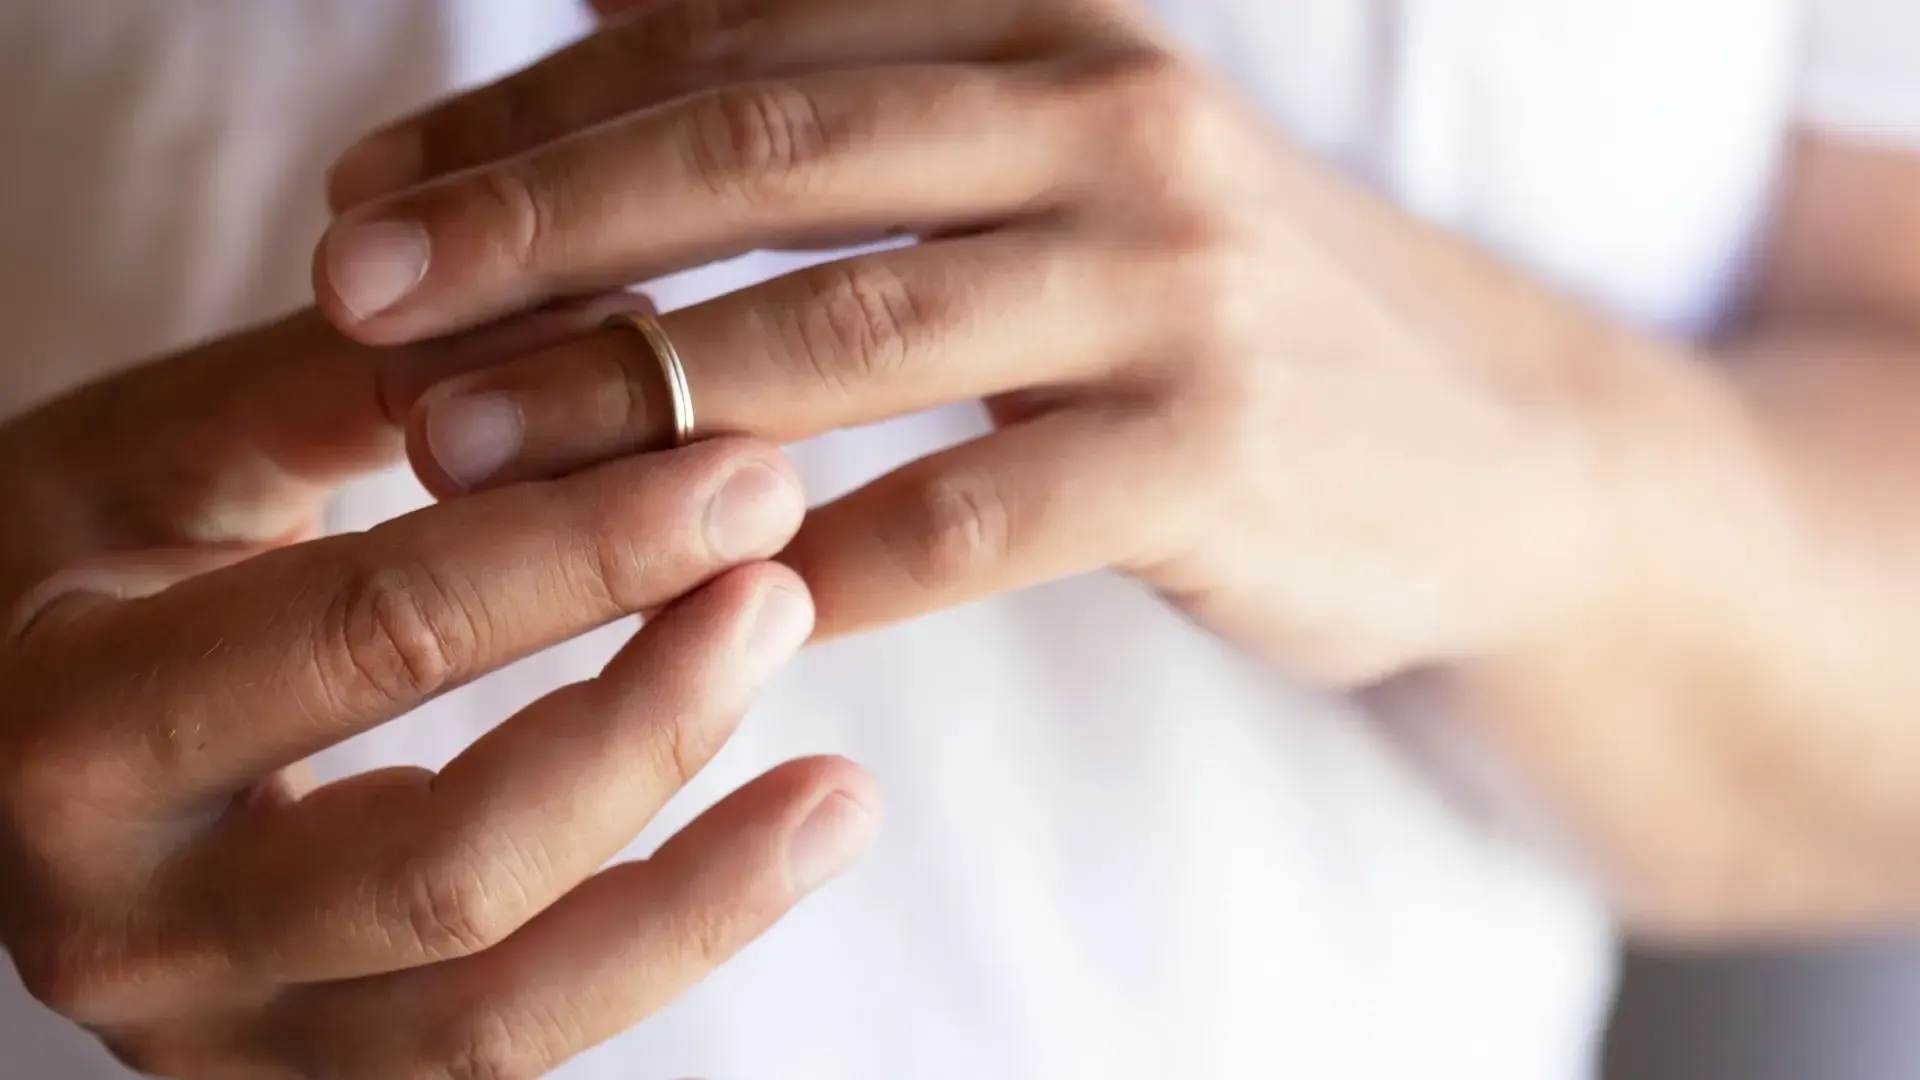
x=679, y=394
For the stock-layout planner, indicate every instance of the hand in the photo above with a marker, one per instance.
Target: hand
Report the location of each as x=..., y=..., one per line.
x=168, y=656
x=229, y=448
x=1212, y=364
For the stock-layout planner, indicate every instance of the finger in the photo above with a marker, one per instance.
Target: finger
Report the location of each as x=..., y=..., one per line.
x=294, y=399
x=829, y=347
x=407, y=373
x=323, y=409
x=653, y=53
x=67, y=593
x=236, y=443
x=263, y=664
x=422, y=868
x=917, y=149
x=1080, y=489
x=610, y=954
x=607, y=956
x=292, y=392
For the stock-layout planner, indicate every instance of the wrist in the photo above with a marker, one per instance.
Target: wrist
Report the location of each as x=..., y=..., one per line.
x=1625, y=697
x=1683, y=511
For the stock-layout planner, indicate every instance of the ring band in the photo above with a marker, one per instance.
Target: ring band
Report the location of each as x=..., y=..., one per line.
x=679, y=394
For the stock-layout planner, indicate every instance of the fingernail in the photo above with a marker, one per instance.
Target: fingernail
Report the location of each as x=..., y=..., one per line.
x=754, y=514
x=781, y=625
x=473, y=437
x=373, y=265
x=825, y=844
x=376, y=166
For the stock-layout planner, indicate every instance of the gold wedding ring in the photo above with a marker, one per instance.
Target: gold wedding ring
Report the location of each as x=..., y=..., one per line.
x=679, y=394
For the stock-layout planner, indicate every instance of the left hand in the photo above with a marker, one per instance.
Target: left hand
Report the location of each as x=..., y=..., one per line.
x=1212, y=364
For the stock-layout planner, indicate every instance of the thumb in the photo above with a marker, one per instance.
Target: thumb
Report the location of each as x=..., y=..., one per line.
x=288, y=403
x=110, y=578
x=315, y=406
x=291, y=402
x=235, y=442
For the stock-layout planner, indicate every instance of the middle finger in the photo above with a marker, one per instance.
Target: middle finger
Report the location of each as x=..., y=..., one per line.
x=653, y=52
x=910, y=149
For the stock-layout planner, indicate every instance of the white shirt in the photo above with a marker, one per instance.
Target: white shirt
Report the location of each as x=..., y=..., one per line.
x=1114, y=849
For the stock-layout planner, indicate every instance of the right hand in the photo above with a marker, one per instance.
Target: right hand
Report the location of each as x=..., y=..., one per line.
x=170, y=653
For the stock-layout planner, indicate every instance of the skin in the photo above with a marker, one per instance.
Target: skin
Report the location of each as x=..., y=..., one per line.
x=1672, y=582
x=172, y=647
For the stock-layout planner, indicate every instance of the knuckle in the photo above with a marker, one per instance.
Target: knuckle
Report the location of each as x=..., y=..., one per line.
x=1215, y=430
x=618, y=568
x=709, y=938
x=625, y=550
x=757, y=145
x=621, y=553
x=482, y=1044
x=399, y=634
x=520, y=205
x=1214, y=277
x=861, y=324
x=454, y=907
x=958, y=526
x=683, y=747
x=1156, y=112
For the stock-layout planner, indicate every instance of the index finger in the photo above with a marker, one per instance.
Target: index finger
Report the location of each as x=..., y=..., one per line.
x=223, y=678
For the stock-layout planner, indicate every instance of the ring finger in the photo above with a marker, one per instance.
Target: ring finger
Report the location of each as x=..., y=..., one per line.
x=829, y=347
